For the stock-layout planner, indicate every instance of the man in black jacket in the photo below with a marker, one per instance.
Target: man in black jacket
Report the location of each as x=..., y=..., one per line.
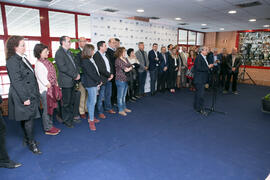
x=232, y=67
x=201, y=76
x=68, y=72
x=110, y=53
x=154, y=63
x=106, y=73
x=5, y=162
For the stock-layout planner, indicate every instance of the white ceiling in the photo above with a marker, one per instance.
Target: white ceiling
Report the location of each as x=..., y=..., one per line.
x=214, y=13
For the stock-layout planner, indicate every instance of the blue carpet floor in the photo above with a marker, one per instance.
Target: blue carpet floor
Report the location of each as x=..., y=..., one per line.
x=162, y=139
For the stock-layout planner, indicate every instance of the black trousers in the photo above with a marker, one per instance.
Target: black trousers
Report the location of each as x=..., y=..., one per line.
x=222, y=78
x=162, y=81
x=172, y=79
x=114, y=92
x=76, y=101
x=153, y=80
x=3, y=152
x=28, y=129
x=234, y=81
x=199, y=97
x=68, y=95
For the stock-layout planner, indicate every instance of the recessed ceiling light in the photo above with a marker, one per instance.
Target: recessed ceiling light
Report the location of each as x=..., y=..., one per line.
x=222, y=29
x=204, y=24
x=266, y=26
x=232, y=12
x=178, y=19
x=252, y=20
x=140, y=10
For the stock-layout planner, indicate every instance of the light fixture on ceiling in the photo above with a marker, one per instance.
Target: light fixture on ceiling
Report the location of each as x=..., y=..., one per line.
x=232, y=12
x=252, y=20
x=140, y=10
x=222, y=29
x=204, y=24
x=178, y=19
x=266, y=26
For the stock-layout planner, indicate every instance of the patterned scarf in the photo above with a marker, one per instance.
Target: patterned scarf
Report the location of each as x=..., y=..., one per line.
x=51, y=71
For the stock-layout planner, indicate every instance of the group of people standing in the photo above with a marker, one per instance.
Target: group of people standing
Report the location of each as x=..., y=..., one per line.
x=103, y=78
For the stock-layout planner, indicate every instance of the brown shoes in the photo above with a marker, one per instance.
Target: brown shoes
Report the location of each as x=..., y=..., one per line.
x=92, y=126
x=83, y=116
x=111, y=111
x=123, y=113
x=102, y=116
x=127, y=110
x=96, y=120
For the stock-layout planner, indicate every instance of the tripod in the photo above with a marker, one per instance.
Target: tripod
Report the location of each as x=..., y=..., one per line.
x=242, y=75
x=215, y=84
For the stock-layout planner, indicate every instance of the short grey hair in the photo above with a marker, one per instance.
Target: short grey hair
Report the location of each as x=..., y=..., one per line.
x=202, y=48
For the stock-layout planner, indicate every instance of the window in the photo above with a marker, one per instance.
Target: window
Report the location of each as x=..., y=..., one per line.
x=29, y=45
x=55, y=46
x=84, y=26
x=2, y=53
x=22, y=21
x=200, y=39
x=182, y=37
x=1, y=23
x=5, y=83
x=61, y=24
x=191, y=38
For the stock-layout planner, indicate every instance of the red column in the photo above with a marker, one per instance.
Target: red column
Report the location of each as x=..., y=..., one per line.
x=44, y=28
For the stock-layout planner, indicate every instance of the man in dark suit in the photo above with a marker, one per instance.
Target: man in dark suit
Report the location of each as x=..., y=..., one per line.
x=110, y=53
x=154, y=63
x=68, y=72
x=106, y=73
x=201, y=75
x=163, y=70
x=5, y=162
x=232, y=68
x=83, y=94
x=223, y=67
x=214, y=58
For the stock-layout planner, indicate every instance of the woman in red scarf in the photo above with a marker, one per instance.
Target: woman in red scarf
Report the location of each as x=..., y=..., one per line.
x=48, y=87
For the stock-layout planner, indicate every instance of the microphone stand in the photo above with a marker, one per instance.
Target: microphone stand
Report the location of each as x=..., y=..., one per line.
x=214, y=81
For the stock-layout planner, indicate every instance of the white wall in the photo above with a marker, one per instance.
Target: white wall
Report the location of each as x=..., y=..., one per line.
x=130, y=32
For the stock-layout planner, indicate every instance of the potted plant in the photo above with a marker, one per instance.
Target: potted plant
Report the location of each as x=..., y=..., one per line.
x=266, y=103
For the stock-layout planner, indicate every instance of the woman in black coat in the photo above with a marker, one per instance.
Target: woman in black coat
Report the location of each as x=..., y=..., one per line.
x=91, y=82
x=173, y=66
x=23, y=98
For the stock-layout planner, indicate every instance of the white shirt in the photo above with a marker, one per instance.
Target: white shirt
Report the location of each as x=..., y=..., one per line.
x=92, y=60
x=107, y=63
x=204, y=57
x=233, y=59
x=24, y=60
x=41, y=73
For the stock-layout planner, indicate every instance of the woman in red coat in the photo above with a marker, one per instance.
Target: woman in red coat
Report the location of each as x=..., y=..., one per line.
x=190, y=63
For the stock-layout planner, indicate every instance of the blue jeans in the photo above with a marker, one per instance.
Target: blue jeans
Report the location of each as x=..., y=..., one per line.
x=105, y=94
x=91, y=102
x=142, y=78
x=153, y=80
x=122, y=87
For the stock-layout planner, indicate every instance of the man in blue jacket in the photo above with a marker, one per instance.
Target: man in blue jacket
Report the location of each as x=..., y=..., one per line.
x=163, y=70
x=154, y=63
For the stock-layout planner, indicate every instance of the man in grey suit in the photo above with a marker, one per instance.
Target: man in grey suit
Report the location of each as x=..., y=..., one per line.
x=144, y=64
x=68, y=72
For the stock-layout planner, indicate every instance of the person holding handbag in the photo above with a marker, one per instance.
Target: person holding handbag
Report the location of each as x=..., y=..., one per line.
x=48, y=87
x=123, y=68
x=23, y=96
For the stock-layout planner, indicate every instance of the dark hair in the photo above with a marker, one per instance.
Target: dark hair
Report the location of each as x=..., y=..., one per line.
x=129, y=51
x=11, y=44
x=140, y=43
x=163, y=47
x=38, y=50
x=99, y=44
x=62, y=38
x=119, y=51
x=169, y=46
x=155, y=44
x=86, y=53
x=116, y=39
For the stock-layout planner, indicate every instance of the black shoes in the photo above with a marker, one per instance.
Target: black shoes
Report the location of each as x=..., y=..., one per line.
x=69, y=125
x=10, y=165
x=32, y=145
x=77, y=121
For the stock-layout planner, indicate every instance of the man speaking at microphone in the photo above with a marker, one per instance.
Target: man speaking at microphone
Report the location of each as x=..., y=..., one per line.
x=201, y=76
